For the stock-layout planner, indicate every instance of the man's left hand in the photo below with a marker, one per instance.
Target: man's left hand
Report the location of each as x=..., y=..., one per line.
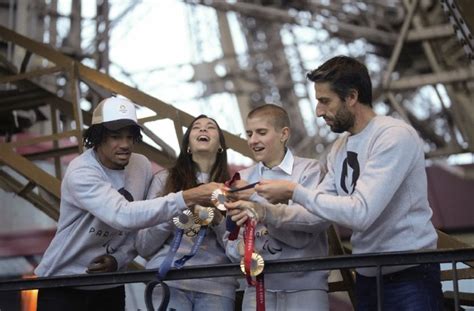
x=102, y=263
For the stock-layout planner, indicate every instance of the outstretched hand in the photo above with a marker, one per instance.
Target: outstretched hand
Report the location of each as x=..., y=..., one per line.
x=276, y=191
x=201, y=194
x=102, y=263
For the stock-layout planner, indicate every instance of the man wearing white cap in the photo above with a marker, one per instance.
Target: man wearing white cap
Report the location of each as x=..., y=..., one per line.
x=102, y=208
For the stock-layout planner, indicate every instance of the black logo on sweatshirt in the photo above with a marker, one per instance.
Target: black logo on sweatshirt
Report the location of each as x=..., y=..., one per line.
x=109, y=244
x=348, y=183
x=127, y=195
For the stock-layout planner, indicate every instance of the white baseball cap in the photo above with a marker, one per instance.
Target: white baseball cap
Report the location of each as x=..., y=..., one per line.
x=115, y=113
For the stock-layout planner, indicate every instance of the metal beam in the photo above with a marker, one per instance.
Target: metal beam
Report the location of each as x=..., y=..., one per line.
x=36, y=47
x=446, y=77
x=161, y=158
x=387, y=79
x=430, y=33
x=277, y=266
x=10, y=184
x=30, y=171
x=52, y=153
x=40, y=139
x=31, y=74
x=282, y=16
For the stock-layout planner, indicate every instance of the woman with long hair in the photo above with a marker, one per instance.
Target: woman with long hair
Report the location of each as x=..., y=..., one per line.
x=202, y=159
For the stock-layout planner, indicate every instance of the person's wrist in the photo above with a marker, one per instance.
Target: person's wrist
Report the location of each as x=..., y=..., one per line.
x=190, y=197
x=261, y=212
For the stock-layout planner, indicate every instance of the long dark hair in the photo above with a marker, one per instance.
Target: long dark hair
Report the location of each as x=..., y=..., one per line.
x=182, y=175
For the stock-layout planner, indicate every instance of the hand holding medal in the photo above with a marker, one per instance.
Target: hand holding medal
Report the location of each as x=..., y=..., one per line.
x=220, y=196
x=241, y=211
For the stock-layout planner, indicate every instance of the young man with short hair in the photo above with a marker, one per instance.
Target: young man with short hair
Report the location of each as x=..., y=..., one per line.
x=268, y=130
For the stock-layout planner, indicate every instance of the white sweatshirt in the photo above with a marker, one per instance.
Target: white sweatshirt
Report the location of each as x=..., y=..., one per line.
x=95, y=219
x=376, y=185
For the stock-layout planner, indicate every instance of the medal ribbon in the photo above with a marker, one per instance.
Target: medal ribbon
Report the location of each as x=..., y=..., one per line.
x=180, y=262
x=166, y=264
x=230, y=225
x=260, y=293
x=235, y=177
x=249, y=239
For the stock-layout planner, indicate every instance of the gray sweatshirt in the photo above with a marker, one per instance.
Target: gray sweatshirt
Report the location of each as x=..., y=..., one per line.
x=154, y=244
x=376, y=185
x=279, y=235
x=95, y=219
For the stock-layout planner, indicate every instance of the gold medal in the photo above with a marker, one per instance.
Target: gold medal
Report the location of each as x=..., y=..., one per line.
x=218, y=199
x=256, y=267
x=193, y=230
x=203, y=215
x=185, y=220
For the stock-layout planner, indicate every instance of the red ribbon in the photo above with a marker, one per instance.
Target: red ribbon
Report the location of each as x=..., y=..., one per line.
x=260, y=293
x=235, y=177
x=249, y=239
x=234, y=234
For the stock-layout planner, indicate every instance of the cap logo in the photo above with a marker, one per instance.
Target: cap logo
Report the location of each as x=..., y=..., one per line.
x=123, y=109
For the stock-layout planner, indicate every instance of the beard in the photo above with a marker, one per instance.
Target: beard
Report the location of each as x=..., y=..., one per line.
x=343, y=120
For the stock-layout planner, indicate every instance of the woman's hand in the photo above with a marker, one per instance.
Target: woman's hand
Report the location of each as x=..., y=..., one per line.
x=201, y=194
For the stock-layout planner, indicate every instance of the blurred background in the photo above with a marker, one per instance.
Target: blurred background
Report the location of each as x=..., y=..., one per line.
x=177, y=59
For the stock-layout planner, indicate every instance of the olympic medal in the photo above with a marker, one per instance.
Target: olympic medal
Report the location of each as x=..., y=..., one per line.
x=203, y=215
x=256, y=266
x=218, y=199
x=185, y=220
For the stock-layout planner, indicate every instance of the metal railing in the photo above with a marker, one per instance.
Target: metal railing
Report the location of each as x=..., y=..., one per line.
x=296, y=265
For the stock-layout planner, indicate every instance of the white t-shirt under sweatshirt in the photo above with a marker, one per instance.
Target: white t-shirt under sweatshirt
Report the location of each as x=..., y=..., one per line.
x=95, y=219
x=376, y=185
